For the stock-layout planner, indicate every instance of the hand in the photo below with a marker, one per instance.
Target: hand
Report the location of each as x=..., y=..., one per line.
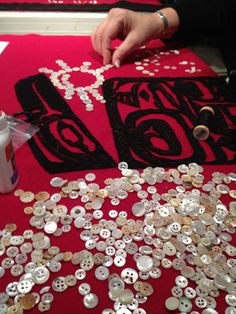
x=135, y=29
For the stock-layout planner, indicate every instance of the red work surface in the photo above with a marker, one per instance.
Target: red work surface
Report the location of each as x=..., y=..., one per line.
x=79, y=5
x=22, y=58
x=152, y=2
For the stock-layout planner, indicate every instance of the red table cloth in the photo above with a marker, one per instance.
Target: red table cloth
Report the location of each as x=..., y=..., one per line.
x=79, y=5
x=143, y=114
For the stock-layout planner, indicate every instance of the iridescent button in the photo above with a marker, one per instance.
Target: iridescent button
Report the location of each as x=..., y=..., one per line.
x=146, y=289
x=139, y=311
x=108, y=311
x=169, y=249
x=47, y=297
x=24, y=286
x=90, y=300
x=80, y=274
x=144, y=263
x=59, y=284
x=181, y=281
x=190, y=292
x=119, y=261
x=70, y=280
x=230, y=299
x=4, y=297
x=50, y=227
x=84, y=288
x=15, y=309
x=27, y=197
x=57, y=182
x=138, y=209
x=172, y=303
x=210, y=311
x=44, y=307
x=102, y=273
x=40, y=275
x=185, y=305
x=129, y=275
x=126, y=296
x=200, y=302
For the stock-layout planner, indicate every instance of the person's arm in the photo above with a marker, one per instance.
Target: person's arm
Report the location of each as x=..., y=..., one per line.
x=187, y=18
x=135, y=29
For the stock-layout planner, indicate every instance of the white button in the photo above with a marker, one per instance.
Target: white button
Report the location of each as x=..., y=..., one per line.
x=102, y=273
x=90, y=300
x=144, y=263
x=84, y=288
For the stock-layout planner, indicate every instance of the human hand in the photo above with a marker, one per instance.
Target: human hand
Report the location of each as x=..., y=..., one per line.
x=135, y=29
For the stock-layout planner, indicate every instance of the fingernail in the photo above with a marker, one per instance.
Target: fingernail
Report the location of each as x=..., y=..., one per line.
x=117, y=63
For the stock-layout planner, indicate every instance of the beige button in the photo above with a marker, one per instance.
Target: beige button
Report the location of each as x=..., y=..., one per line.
x=67, y=256
x=103, y=193
x=28, y=210
x=126, y=296
x=18, y=192
x=15, y=309
x=166, y=263
x=169, y=249
x=10, y=227
x=99, y=258
x=27, y=302
x=42, y=196
x=232, y=194
x=146, y=289
x=27, y=197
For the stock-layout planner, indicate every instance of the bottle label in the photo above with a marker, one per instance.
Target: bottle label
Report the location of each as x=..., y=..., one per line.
x=11, y=159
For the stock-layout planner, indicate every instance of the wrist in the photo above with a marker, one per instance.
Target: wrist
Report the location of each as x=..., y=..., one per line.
x=167, y=22
x=164, y=21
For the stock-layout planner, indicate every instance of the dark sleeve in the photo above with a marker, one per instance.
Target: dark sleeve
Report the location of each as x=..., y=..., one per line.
x=206, y=17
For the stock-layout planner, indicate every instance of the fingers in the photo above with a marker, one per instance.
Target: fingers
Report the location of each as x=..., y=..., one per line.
x=125, y=48
x=103, y=36
x=120, y=23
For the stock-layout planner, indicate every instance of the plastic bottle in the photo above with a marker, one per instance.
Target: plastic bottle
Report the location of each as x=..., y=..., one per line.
x=9, y=176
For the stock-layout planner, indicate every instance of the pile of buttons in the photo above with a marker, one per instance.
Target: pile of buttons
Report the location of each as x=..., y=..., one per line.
x=186, y=227
x=61, y=80
x=148, y=66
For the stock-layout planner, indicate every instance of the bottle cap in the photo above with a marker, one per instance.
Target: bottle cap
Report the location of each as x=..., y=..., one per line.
x=3, y=121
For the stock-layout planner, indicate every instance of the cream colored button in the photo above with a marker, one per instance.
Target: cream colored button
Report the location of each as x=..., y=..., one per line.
x=166, y=263
x=144, y=263
x=50, y=227
x=126, y=296
x=172, y=303
x=27, y=197
x=169, y=249
x=129, y=275
x=146, y=289
x=84, y=288
x=90, y=300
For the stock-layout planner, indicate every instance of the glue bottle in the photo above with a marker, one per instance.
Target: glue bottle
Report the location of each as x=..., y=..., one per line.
x=8, y=172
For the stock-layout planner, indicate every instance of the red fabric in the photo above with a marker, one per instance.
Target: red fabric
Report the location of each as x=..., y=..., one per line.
x=78, y=5
x=22, y=58
x=93, y=2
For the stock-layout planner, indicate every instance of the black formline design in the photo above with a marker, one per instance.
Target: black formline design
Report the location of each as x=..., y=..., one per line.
x=183, y=99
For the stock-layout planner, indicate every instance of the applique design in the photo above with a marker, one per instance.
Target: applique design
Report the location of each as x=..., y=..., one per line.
x=151, y=122
x=157, y=131
x=63, y=142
